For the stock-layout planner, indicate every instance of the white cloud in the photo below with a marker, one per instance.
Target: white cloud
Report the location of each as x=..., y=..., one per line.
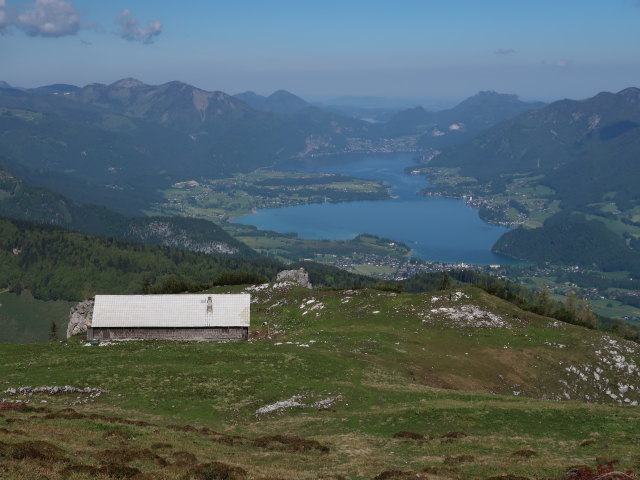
x=504, y=51
x=49, y=18
x=130, y=28
x=4, y=17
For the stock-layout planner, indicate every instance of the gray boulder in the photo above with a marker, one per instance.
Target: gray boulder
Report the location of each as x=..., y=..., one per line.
x=299, y=277
x=80, y=318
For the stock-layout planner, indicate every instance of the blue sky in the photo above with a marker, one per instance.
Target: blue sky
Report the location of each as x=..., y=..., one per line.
x=320, y=49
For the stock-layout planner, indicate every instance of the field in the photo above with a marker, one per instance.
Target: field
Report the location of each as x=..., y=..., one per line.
x=333, y=384
x=221, y=199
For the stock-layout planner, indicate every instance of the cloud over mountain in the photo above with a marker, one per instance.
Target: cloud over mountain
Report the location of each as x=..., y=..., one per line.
x=130, y=28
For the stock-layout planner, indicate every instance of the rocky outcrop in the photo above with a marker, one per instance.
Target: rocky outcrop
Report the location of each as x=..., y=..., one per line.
x=299, y=277
x=80, y=318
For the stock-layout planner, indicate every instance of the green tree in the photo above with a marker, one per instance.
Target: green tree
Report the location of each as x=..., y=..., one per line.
x=587, y=317
x=445, y=283
x=571, y=302
x=543, y=300
x=53, y=331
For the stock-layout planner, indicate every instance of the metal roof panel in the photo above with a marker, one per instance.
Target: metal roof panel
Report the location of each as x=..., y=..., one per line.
x=201, y=310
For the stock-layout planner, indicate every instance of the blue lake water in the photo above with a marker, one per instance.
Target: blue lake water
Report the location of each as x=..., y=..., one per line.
x=437, y=229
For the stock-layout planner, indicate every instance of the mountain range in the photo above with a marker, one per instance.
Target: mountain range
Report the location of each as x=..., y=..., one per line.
x=586, y=153
x=133, y=137
x=457, y=124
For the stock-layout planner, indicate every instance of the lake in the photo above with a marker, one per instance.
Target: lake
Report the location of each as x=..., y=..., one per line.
x=437, y=229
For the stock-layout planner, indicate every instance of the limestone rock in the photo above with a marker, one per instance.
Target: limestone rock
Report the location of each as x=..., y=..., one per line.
x=299, y=277
x=80, y=318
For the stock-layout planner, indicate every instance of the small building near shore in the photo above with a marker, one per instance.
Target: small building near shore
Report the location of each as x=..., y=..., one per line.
x=204, y=317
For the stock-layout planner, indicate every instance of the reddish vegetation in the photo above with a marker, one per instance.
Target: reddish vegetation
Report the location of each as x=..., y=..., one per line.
x=602, y=472
x=12, y=405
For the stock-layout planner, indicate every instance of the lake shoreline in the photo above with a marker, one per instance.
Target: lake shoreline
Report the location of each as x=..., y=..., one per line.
x=436, y=229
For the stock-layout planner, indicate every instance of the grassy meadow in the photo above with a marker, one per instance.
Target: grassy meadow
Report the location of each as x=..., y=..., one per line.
x=352, y=384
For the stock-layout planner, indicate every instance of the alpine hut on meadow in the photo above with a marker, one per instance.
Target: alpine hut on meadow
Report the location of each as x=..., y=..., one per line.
x=209, y=317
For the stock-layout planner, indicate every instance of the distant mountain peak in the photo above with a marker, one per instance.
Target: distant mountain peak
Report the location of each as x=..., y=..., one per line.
x=4, y=84
x=631, y=92
x=284, y=94
x=128, y=83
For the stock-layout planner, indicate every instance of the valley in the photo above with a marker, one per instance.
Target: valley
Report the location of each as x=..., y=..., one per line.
x=319, y=240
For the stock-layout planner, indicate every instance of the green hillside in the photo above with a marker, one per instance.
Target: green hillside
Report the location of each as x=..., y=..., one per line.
x=570, y=156
x=57, y=264
x=337, y=384
x=22, y=200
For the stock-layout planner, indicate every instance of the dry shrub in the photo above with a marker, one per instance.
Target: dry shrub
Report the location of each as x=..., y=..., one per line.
x=118, y=434
x=441, y=471
x=396, y=474
x=118, y=471
x=31, y=449
x=508, y=476
x=290, y=443
x=587, y=442
x=525, y=453
x=114, y=471
x=454, y=435
x=184, y=459
x=409, y=435
x=124, y=421
x=161, y=445
x=215, y=471
x=448, y=460
x=125, y=455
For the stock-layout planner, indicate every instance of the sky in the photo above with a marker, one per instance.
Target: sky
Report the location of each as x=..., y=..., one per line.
x=322, y=49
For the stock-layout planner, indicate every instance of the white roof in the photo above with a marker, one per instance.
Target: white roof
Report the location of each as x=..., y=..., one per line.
x=202, y=310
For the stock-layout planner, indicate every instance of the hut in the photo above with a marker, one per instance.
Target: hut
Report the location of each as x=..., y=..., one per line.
x=208, y=317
